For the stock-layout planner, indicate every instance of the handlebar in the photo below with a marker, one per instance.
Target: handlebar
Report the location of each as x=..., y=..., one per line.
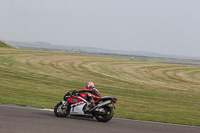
x=74, y=91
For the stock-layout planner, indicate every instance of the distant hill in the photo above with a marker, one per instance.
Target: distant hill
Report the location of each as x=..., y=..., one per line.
x=92, y=50
x=2, y=44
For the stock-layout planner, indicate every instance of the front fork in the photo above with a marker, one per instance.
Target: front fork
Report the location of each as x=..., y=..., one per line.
x=64, y=104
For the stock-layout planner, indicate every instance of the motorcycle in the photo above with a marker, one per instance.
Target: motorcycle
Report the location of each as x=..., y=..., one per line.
x=76, y=104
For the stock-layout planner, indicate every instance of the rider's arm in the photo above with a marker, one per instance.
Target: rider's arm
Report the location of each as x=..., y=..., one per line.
x=93, y=91
x=85, y=90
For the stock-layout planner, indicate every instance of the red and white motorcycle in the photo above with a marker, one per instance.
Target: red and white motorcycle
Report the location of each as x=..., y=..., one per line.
x=76, y=104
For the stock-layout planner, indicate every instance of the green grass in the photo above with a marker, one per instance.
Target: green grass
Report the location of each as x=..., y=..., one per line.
x=145, y=90
x=2, y=44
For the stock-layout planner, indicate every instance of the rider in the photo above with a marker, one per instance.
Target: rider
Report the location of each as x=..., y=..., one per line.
x=93, y=92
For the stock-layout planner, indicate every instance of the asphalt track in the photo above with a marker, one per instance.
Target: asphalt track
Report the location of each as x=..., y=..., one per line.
x=17, y=119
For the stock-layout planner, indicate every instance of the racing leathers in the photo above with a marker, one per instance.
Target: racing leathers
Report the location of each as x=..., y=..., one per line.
x=93, y=93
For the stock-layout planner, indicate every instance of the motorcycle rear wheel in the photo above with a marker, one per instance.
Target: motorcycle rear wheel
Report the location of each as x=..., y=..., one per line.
x=61, y=111
x=106, y=116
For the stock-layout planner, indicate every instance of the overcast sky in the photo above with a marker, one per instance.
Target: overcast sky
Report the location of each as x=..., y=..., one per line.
x=161, y=26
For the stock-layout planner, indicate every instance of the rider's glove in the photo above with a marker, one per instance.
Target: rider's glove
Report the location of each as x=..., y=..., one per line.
x=74, y=91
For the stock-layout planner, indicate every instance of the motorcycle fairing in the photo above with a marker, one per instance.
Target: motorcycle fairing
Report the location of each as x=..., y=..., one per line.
x=77, y=109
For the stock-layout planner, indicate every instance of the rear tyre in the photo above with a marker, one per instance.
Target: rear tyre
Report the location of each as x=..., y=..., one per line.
x=62, y=111
x=105, y=115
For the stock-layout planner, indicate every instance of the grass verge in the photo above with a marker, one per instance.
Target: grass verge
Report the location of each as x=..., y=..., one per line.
x=145, y=90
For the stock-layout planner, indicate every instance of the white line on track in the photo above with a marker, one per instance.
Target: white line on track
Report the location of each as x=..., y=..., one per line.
x=45, y=109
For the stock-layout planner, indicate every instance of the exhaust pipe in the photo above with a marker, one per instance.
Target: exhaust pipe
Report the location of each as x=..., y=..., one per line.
x=100, y=105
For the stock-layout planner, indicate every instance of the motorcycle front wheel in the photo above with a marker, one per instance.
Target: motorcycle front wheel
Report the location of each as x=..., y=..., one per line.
x=105, y=114
x=62, y=111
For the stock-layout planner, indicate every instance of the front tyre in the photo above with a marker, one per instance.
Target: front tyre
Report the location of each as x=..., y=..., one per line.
x=62, y=111
x=105, y=114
